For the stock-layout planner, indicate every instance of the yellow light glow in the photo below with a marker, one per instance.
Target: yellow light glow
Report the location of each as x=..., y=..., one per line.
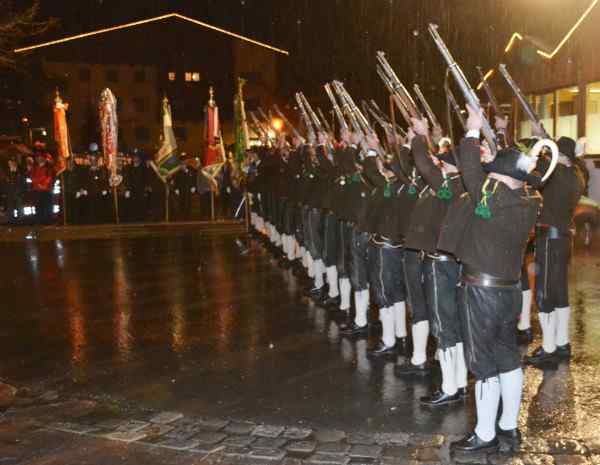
x=277, y=124
x=487, y=75
x=549, y=56
x=146, y=21
x=512, y=40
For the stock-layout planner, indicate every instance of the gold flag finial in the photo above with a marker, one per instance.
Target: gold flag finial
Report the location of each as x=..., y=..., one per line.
x=211, y=96
x=57, y=98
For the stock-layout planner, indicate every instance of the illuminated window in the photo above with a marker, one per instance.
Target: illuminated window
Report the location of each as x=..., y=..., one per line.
x=188, y=77
x=592, y=117
x=192, y=76
x=567, y=106
x=172, y=75
x=196, y=77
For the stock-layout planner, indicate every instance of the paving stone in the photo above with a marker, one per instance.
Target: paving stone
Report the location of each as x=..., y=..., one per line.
x=428, y=455
x=595, y=459
x=75, y=428
x=470, y=458
x=268, y=431
x=126, y=436
x=364, y=462
x=267, y=454
x=426, y=440
x=212, y=424
x=398, y=461
x=326, y=459
x=185, y=429
x=110, y=424
x=398, y=452
x=329, y=435
x=164, y=418
x=239, y=441
x=534, y=445
x=207, y=449
x=297, y=434
x=335, y=448
x=593, y=445
x=156, y=429
x=567, y=447
x=291, y=461
x=361, y=451
x=571, y=460
x=178, y=443
x=301, y=447
x=269, y=443
x=361, y=438
x=232, y=451
x=521, y=459
x=131, y=426
x=240, y=427
x=210, y=438
x=396, y=439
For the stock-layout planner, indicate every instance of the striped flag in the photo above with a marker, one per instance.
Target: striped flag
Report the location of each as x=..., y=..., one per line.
x=214, y=156
x=166, y=162
x=61, y=134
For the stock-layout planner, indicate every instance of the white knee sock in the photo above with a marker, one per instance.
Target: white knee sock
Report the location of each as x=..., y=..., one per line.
x=511, y=388
x=460, y=367
x=487, y=398
x=345, y=292
x=562, y=325
x=319, y=268
x=447, y=364
x=548, y=324
x=366, y=298
x=332, y=280
x=420, y=333
x=388, y=336
x=360, y=319
x=304, y=256
x=285, y=243
x=311, y=266
x=525, y=319
x=296, y=250
x=400, y=319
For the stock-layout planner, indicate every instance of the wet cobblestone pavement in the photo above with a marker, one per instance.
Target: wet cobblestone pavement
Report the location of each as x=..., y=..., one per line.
x=182, y=350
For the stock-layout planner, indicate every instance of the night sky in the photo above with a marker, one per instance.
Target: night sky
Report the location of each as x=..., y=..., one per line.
x=338, y=38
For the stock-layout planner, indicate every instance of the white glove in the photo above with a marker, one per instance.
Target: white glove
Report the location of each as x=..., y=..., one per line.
x=77, y=194
x=228, y=190
x=176, y=191
x=84, y=192
x=104, y=193
x=127, y=194
x=193, y=190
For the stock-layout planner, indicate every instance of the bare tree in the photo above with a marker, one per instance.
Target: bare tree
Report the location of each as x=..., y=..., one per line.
x=16, y=25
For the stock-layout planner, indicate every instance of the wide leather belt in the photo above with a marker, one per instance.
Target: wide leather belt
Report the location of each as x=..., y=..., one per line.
x=438, y=257
x=550, y=232
x=477, y=278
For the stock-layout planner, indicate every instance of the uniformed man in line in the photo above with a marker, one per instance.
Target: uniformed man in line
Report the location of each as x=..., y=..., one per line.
x=100, y=191
x=81, y=185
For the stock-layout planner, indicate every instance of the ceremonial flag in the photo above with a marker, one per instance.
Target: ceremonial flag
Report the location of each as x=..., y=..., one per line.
x=240, y=124
x=214, y=156
x=109, y=127
x=166, y=162
x=61, y=134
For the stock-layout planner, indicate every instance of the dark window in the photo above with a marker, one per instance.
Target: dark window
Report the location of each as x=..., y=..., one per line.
x=112, y=75
x=180, y=133
x=84, y=74
x=139, y=75
x=252, y=76
x=139, y=104
x=142, y=134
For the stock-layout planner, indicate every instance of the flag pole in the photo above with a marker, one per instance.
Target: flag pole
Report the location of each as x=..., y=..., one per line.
x=167, y=202
x=212, y=204
x=116, y=204
x=247, y=216
x=64, y=198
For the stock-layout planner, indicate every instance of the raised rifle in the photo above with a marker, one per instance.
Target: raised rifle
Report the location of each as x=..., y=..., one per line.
x=432, y=119
x=304, y=114
x=258, y=125
x=525, y=106
x=336, y=108
x=398, y=87
x=279, y=113
x=311, y=113
x=397, y=100
x=363, y=123
x=325, y=122
x=454, y=105
x=383, y=116
x=468, y=92
x=490, y=95
x=266, y=121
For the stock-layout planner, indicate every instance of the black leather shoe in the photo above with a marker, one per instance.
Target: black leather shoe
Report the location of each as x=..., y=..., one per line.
x=354, y=330
x=472, y=443
x=563, y=352
x=541, y=357
x=463, y=392
x=408, y=369
x=333, y=302
x=439, y=398
x=402, y=345
x=511, y=437
x=381, y=350
x=524, y=336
